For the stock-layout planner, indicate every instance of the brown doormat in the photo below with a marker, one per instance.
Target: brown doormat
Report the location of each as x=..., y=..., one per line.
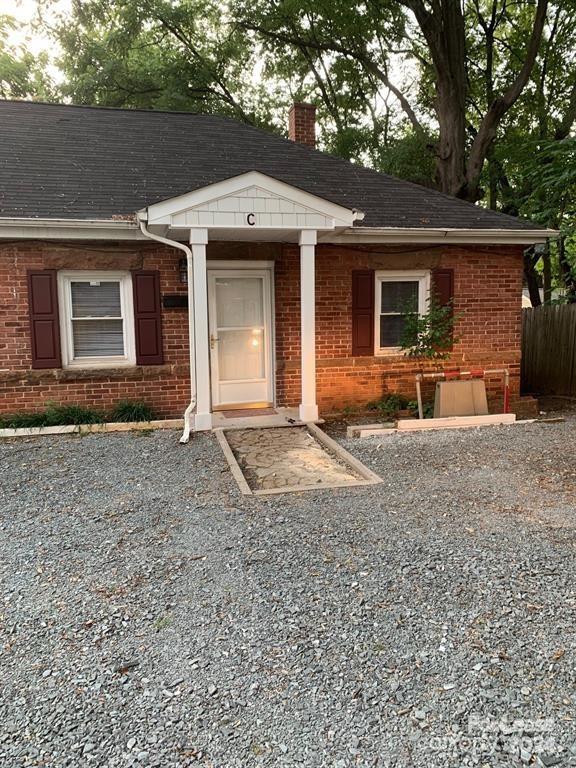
x=283, y=459
x=241, y=413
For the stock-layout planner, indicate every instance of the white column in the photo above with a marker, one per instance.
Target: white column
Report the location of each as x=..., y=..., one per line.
x=203, y=417
x=308, y=409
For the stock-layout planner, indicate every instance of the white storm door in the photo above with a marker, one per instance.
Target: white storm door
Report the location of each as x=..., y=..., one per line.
x=240, y=337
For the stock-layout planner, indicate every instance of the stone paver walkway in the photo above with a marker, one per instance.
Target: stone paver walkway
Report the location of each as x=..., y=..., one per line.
x=287, y=457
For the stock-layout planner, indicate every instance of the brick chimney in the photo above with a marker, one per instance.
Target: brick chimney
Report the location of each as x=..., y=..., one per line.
x=302, y=124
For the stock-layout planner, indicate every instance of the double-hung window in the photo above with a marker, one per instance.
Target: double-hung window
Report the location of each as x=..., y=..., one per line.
x=96, y=318
x=397, y=294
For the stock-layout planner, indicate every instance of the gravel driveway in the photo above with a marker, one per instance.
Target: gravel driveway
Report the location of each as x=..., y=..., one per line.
x=151, y=615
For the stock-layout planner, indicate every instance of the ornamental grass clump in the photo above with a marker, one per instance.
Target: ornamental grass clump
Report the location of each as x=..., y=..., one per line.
x=55, y=415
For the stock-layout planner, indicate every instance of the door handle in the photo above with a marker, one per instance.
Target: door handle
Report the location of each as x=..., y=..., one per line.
x=213, y=340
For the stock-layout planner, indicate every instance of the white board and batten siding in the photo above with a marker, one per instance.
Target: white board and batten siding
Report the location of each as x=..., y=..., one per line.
x=264, y=209
x=250, y=201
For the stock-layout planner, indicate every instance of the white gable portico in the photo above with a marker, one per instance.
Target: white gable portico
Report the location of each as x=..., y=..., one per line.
x=249, y=207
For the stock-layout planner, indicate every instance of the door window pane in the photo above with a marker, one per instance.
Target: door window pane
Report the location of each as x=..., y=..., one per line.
x=239, y=302
x=241, y=354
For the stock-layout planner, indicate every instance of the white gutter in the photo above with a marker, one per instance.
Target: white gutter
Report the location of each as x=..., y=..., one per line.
x=15, y=228
x=440, y=235
x=175, y=244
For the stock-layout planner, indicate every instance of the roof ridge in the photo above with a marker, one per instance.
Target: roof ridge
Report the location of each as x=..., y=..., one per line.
x=105, y=108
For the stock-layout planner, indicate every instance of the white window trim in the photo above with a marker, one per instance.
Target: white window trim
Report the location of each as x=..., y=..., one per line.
x=382, y=276
x=65, y=278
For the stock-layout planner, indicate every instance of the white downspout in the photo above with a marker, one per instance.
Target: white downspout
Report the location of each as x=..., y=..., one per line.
x=188, y=251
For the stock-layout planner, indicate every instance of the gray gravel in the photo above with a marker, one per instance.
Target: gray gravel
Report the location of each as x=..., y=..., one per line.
x=151, y=615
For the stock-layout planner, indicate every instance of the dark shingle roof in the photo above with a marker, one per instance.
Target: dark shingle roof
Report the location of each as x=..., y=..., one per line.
x=59, y=161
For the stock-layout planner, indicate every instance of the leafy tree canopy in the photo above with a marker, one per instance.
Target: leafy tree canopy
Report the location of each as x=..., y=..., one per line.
x=22, y=75
x=475, y=97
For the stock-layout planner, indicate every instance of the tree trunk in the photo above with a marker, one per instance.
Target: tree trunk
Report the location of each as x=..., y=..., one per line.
x=446, y=35
x=493, y=179
x=531, y=277
x=568, y=276
x=547, y=275
x=450, y=157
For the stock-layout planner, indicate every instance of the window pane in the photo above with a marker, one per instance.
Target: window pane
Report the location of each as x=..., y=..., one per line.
x=239, y=301
x=391, y=330
x=399, y=296
x=98, y=338
x=241, y=355
x=99, y=300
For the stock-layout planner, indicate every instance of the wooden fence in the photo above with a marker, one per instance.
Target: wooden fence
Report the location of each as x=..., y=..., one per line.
x=549, y=350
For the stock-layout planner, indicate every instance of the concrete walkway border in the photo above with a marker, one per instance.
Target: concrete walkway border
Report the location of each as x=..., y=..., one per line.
x=85, y=429
x=367, y=476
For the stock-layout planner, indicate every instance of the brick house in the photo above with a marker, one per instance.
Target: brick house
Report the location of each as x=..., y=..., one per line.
x=124, y=234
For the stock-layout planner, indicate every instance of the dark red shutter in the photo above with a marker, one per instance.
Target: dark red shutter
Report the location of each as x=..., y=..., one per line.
x=148, y=317
x=362, y=312
x=442, y=288
x=44, y=322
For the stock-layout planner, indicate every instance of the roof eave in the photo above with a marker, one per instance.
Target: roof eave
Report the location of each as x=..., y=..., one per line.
x=21, y=228
x=434, y=235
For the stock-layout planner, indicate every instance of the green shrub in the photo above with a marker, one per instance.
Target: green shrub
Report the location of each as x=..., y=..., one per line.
x=22, y=420
x=389, y=405
x=131, y=410
x=57, y=415
x=427, y=408
x=53, y=416
x=430, y=335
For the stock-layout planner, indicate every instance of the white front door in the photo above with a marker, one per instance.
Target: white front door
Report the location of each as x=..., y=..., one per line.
x=240, y=310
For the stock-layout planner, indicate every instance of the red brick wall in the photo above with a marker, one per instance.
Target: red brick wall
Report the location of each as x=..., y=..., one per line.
x=488, y=283
x=165, y=387
x=488, y=288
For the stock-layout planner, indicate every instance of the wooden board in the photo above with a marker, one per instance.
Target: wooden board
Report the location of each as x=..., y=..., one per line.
x=455, y=422
x=356, y=429
x=460, y=398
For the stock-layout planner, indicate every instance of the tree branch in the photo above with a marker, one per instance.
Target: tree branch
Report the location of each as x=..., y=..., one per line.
x=226, y=95
x=565, y=126
x=501, y=105
x=362, y=57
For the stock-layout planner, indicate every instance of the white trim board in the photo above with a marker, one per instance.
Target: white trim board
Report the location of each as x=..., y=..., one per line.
x=69, y=229
x=435, y=235
x=239, y=264
x=22, y=228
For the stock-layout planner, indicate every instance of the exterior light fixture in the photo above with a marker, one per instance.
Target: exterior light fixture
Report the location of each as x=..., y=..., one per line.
x=183, y=270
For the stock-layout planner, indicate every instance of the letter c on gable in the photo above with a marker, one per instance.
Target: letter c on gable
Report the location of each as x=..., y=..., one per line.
x=251, y=219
